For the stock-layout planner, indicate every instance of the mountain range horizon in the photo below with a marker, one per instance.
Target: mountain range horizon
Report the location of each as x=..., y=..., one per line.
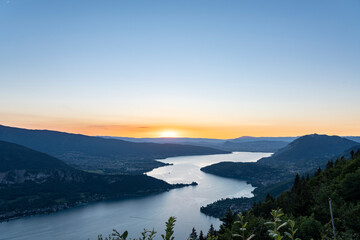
x=243, y=137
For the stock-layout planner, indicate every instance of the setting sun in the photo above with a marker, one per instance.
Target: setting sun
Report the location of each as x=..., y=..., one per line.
x=169, y=134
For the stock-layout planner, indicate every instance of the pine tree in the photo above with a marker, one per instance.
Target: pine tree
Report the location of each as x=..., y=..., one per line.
x=269, y=198
x=211, y=231
x=330, y=164
x=201, y=236
x=352, y=154
x=296, y=182
x=193, y=234
x=227, y=221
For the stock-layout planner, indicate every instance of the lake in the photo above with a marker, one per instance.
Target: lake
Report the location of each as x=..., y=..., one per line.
x=135, y=214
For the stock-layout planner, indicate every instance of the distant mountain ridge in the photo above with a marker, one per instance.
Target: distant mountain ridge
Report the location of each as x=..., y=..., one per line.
x=95, y=153
x=241, y=144
x=252, y=139
x=353, y=138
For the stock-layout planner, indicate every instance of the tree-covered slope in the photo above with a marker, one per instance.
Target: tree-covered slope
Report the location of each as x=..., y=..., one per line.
x=32, y=182
x=14, y=156
x=254, y=173
x=273, y=174
x=309, y=151
x=95, y=153
x=308, y=200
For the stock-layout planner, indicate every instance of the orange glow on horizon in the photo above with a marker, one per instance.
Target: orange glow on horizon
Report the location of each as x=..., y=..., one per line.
x=219, y=132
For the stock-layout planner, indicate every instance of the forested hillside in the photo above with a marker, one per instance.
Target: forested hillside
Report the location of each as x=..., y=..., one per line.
x=307, y=203
x=32, y=182
x=274, y=174
x=300, y=213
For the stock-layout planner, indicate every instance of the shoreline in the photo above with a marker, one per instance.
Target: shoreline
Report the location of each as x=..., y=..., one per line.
x=14, y=215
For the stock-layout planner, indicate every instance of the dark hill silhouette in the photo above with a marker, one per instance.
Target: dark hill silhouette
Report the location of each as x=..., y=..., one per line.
x=14, y=156
x=32, y=182
x=309, y=151
x=94, y=153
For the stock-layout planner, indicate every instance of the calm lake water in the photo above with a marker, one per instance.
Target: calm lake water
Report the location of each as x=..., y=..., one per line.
x=135, y=214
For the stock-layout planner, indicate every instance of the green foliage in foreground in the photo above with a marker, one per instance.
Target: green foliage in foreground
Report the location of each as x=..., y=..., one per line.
x=307, y=203
x=146, y=234
x=238, y=231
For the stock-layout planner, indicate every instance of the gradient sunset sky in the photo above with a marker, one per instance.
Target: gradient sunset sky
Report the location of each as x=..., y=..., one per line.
x=219, y=69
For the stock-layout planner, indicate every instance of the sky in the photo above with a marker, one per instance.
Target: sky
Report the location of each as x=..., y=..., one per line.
x=198, y=68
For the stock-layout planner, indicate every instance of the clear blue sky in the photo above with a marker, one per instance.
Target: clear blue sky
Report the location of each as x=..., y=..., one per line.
x=202, y=68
